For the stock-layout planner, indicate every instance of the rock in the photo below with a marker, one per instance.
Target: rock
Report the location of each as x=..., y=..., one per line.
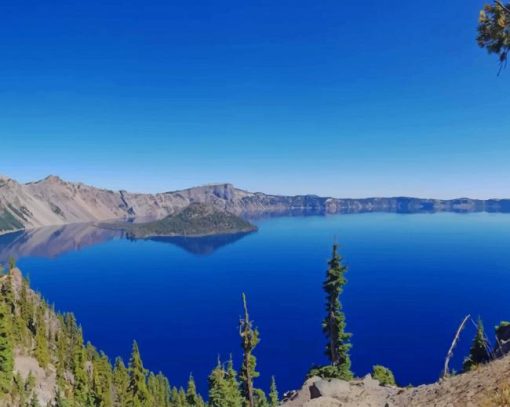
x=476, y=388
x=333, y=388
x=323, y=402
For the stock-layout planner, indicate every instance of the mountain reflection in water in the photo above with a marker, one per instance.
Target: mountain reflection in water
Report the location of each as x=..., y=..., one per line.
x=54, y=241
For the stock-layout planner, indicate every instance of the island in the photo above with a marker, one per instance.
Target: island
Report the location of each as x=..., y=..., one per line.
x=195, y=220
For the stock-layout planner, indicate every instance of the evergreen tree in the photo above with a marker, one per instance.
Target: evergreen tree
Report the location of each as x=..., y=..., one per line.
x=7, y=292
x=121, y=383
x=337, y=348
x=61, y=401
x=273, y=394
x=178, y=397
x=192, y=398
x=79, y=358
x=159, y=388
x=6, y=349
x=233, y=392
x=260, y=398
x=139, y=395
x=249, y=340
x=494, y=30
x=102, y=381
x=12, y=262
x=26, y=311
x=479, y=352
x=41, y=341
x=217, y=386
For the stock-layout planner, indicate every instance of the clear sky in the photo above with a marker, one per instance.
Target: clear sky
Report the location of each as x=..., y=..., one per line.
x=342, y=98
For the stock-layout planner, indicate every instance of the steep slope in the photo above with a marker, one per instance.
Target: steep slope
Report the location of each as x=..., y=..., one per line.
x=53, y=201
x=45, y=362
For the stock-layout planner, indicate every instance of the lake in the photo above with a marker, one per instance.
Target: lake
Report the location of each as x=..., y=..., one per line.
x=411, y=280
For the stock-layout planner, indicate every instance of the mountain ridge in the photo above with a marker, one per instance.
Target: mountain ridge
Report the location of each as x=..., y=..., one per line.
x=53, y=201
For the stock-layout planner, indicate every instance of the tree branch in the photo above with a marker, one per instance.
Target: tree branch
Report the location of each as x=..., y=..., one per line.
x=453, y=345
x=505, y=8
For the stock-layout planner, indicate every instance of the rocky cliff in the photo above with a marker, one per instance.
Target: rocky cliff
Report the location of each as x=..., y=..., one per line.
x=53, y=201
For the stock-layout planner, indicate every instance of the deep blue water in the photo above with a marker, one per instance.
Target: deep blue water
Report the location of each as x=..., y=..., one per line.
x=412, y=278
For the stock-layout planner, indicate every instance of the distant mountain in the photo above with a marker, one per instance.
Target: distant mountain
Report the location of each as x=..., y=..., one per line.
x=53, y=201
x=195, y=220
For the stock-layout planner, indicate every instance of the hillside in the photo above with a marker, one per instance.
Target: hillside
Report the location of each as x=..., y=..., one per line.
x=195, y=220
x=45, y=362
x=53, y=201
x=487, y=386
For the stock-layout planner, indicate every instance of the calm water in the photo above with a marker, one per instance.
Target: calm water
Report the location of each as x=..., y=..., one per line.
x=412, y=278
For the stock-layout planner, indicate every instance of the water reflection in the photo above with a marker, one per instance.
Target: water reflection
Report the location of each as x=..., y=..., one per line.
x=55, y=241
x=201, y=245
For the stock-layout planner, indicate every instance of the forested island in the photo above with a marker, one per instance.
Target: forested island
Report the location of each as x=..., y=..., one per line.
x=195, y=220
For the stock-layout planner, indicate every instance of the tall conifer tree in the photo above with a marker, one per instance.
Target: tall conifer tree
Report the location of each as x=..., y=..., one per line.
x=337, y=348
x=137, y=380
x=274, y=400
x=193, y=399
x=6, y=349
x=249, y=340
x=121, y=383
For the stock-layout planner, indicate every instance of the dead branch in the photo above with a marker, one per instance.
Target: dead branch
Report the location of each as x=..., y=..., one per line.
x=454, y=344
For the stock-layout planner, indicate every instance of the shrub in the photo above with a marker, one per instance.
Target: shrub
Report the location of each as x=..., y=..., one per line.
x=383, y=375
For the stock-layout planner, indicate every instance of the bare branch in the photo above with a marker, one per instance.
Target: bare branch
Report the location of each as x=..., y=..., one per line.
x=453, y=345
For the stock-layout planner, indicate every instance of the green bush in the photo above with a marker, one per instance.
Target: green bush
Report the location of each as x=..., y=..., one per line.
x=383, y=375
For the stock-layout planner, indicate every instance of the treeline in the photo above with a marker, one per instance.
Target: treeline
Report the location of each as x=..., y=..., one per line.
x=85, y=377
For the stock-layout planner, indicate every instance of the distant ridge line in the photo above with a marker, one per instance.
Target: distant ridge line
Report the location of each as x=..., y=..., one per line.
x=53, y=201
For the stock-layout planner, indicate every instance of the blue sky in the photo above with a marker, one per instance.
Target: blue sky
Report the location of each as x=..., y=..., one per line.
x=339, y=98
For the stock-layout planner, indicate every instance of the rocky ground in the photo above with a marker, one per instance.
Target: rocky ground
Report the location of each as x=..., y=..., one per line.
x=487, y=386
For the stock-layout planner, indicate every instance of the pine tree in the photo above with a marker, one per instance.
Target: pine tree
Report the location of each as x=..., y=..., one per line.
x=192, y=398
x=12, y=263
x=139, y=395
x=217, y=386
x=494, y=30
x=233, y=392
x=41, y=341
x=249, y=340
x=159, y=388
x=479, y=352
x=6, y=349
x=178, y=397
x=101, y=381
x=273, y=394
x=121, y=383
x=81, y=387
x=260, y=398
x=337, y=348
